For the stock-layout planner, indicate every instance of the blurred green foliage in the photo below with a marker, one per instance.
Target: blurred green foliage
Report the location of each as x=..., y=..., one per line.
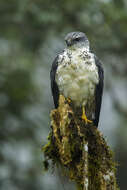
x=31, y=34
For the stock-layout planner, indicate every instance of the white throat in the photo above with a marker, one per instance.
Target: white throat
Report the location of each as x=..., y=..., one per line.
x=79, y=47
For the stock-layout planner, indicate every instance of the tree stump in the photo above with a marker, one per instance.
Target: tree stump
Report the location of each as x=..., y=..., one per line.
x=80, y=150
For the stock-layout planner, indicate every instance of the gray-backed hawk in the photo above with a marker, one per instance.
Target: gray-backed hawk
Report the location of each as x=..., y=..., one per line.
x=77, y=74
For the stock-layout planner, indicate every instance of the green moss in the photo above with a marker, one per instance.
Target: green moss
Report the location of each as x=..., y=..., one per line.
x=65, y=148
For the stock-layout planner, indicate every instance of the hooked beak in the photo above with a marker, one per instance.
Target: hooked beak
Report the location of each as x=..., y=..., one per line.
x=68, y=42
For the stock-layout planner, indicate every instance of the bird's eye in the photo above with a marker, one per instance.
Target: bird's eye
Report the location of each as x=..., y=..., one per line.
x=77, y=39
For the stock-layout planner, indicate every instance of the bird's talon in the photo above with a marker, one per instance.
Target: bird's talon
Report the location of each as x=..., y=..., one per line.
x=86, y=120
x=69, y=100
x=84, y=117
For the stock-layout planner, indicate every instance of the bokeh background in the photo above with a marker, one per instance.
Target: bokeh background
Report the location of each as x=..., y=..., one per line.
x=31, y=34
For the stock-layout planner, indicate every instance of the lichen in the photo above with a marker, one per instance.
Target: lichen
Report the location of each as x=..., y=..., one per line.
x=80, y=150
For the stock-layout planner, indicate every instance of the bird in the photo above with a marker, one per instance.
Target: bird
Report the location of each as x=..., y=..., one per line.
x=78, y=75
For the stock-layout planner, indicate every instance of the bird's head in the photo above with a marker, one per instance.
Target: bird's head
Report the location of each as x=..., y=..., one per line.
x=77, y=40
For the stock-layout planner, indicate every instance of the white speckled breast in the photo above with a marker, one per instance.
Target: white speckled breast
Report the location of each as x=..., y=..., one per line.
x=77, y=75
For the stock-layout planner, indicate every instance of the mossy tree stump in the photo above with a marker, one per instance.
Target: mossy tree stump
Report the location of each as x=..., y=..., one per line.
x=80, y=150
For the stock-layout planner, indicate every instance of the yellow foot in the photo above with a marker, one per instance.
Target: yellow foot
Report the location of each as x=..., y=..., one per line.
x=84, y=116
x=69, y=100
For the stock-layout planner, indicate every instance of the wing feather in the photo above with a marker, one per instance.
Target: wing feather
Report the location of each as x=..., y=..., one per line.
x=54, y=86
x=98, y=91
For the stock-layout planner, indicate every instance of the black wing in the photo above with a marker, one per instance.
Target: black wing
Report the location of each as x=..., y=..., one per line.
x=54, y=87
x=98, y=91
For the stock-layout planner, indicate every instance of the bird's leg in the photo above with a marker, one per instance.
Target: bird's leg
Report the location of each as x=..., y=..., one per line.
x=69, y=100
x=84, y=116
